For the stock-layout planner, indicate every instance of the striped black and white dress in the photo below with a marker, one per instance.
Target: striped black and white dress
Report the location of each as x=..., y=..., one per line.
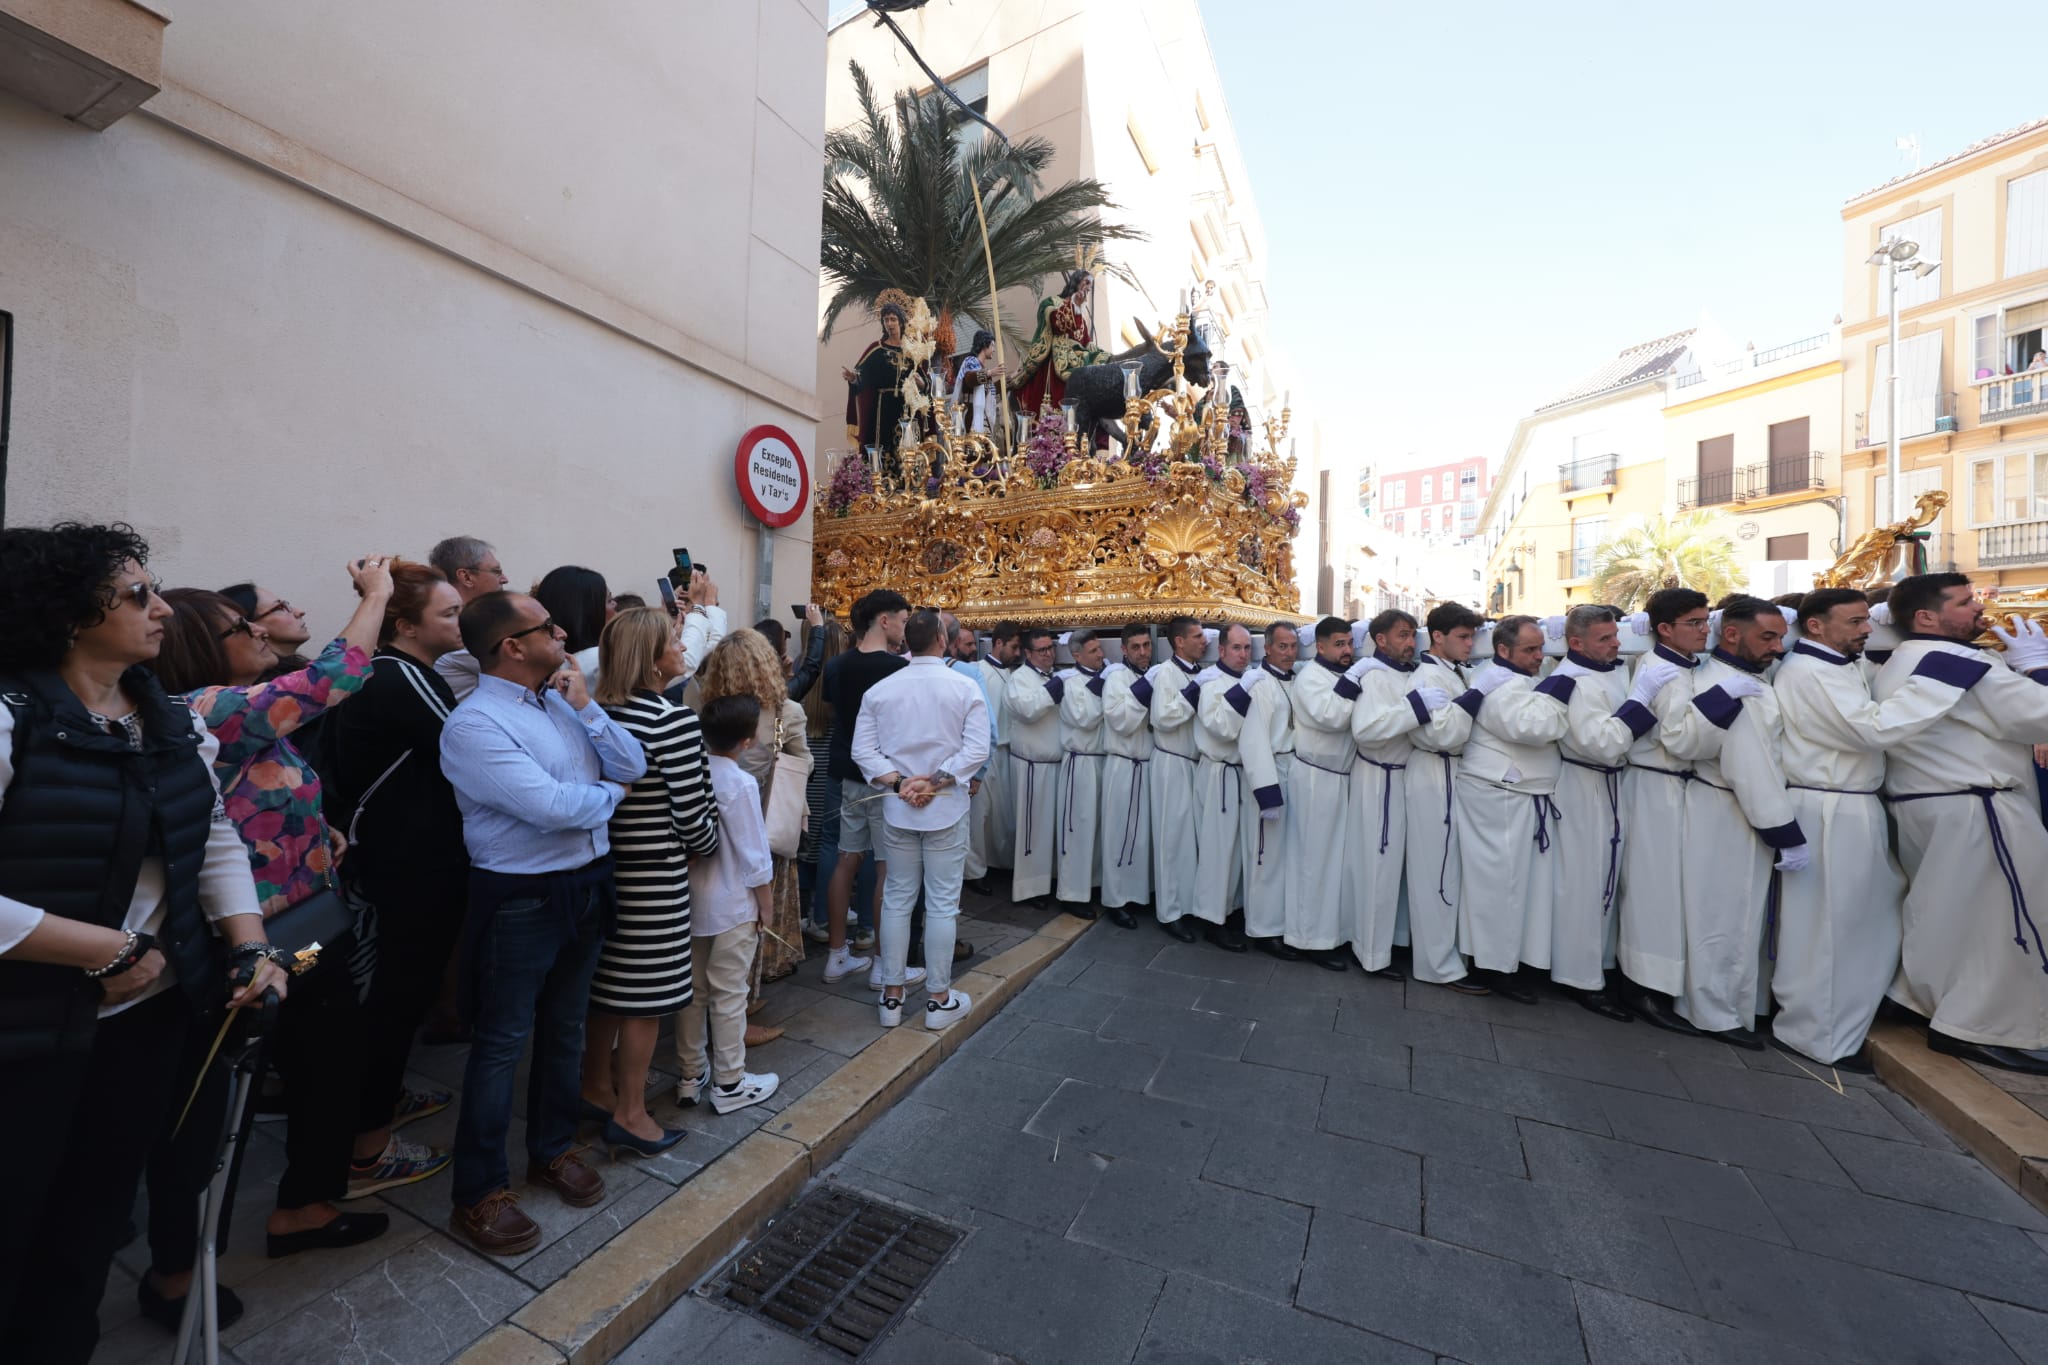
x=644, y=968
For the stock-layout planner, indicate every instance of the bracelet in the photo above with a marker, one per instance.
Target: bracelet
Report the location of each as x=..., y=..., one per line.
x=132, y=950
x=256, y=947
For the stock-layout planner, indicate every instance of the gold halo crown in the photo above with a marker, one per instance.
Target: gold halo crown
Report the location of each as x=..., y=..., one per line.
x=895, y=296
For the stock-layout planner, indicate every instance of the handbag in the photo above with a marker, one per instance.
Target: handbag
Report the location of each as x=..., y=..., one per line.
x=787, y=812
x=323, y=918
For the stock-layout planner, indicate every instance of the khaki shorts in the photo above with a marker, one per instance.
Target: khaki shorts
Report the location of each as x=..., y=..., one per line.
x=859, y=814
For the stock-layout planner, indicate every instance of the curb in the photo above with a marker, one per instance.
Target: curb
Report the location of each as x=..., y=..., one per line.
x=2004, y=1134
x=596, y=1310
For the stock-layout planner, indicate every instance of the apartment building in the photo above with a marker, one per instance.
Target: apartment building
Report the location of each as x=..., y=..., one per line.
x=1973, y=410
x=1437, y=502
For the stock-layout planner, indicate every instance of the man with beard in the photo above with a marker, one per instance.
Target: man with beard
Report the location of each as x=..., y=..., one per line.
x=1079, y=861
x=995, y=811
x=1172, y=692
x=962, y=656
x=1126, y=799
x=1035, y=759
x=1266, y=745
x=1431, y=878
x=1838, y=922
x=1970, y=833
x=1318, y=795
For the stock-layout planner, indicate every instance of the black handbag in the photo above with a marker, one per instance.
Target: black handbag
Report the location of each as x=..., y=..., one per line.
x=320, y=920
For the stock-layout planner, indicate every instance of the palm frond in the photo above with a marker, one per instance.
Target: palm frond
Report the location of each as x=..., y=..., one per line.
x=1690, y=551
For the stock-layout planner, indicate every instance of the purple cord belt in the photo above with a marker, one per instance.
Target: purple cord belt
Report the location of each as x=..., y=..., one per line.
x=1129, y=852
x=1837, y=791
x=1387, y=771
x=1771, y=916
x=1334, y=772
x=1031, y=792
x=1546, y=811
x=2022, y=921
x=1067, y=825
x=1612, y=778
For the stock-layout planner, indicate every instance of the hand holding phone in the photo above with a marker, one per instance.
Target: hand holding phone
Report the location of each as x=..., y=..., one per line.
x=668, y=594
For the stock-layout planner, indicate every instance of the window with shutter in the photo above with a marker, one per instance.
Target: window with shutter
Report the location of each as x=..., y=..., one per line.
x=1920, y=388
x=2026, y=223
x=1717, y=470
x=1785, y=547
x=1791, y=456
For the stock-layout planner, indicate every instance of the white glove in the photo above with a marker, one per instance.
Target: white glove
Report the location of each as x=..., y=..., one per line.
x=1434, y=699
x=1791, y=615
x=1881, y=614
x=1713, y=628
x=1273, y=814
x=1653, y=677
x=1358, y=669
x=1740, y=686
x=1491, y=679
x=2026, y=647
x=1797, y=858
x=1553, y=627
x=1253, y=676
x=1638, y=622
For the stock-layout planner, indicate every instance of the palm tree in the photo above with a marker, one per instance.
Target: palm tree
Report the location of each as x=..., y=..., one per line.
x=899, y=211
x=1689, y=552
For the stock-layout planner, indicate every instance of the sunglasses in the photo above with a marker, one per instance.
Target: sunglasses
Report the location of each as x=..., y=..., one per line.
x=240, y=627
x=137, y=593
x=281, y=605
x=548, y=624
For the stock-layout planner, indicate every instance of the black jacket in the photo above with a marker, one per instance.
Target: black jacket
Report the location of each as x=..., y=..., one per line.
x=389, y=796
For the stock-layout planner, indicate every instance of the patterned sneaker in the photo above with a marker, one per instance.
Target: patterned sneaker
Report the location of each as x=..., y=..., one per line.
x=937, y=1016
x=751, y=1089
x=402, y=1163
x=418, y=1104
x=889, y=1011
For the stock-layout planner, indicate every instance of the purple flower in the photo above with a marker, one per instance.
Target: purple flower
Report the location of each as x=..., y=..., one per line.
x=852, y=479
x=1045, y=455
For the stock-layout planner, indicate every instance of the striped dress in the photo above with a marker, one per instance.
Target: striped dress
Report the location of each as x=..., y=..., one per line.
x=644, y=968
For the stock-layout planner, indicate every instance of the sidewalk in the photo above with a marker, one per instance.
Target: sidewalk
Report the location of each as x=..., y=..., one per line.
x=1164, y=1153
x=418, y=1294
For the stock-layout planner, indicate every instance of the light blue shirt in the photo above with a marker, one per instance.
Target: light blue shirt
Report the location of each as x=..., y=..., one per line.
x=536, y=781
x=980, y=679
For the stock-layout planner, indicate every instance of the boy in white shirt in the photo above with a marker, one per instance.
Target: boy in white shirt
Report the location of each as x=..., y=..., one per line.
x=730, y=903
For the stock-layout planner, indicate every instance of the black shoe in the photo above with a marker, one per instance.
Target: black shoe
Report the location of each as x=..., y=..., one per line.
x=1390, y=972
x=346, y=1230
x=1654, y=1009
x=1079, y=909
x=1604, y=1004
x=1278, y=947
x=170, y=1313
x=1857, y=1062
x=962, y=950
x=1332, y=959
x=2032, y=1063
x=1746, y=1038
x=1121, y=918
x=1228, y=937
x=1179, y=929
x=1507, y=986
x=1465, y=985
x=980, y=886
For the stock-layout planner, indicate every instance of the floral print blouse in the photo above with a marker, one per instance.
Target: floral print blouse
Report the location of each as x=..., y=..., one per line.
x=271, y=792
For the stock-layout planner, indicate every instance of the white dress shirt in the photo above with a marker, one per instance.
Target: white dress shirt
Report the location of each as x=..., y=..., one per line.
x=921, y=721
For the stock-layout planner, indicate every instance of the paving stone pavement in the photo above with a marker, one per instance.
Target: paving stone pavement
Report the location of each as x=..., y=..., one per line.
x=418, y=1295
x=1167, y=1154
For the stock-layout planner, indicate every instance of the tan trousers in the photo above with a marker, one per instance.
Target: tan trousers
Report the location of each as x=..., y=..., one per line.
x=721, y=964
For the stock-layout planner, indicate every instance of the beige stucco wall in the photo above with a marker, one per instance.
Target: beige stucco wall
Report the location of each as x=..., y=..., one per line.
x=364, y=276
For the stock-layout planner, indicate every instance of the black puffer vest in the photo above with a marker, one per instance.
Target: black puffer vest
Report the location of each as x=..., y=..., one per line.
x=81, y=814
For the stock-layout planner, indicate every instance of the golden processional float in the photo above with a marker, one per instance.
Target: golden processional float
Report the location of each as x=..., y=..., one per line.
x=1046, y=529
x=1884, y=553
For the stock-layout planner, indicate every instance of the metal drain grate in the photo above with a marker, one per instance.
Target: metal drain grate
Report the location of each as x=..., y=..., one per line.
x=839, y=1270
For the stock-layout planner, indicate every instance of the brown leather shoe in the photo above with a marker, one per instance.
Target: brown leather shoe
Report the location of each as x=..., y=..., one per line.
x=760, y=1035
x=569, y=1177
x=495, y=1226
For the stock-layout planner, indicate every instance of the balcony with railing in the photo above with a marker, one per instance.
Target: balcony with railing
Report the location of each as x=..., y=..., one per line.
x=1925, y=414
x=1575, y=563
x=1754, y=360
x=1765, y=479
x=2014, y=544
x=1594, y=471
x=2002, y=398
x=1706, y=490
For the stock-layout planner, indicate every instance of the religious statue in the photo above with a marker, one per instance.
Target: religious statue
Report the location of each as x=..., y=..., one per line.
x=1064, y=342
x=874, y=384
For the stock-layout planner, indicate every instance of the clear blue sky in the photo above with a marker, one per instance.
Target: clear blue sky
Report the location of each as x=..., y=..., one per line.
x=1466, y=208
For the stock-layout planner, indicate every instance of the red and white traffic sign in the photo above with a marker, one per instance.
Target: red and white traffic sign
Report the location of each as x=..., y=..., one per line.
x=773, y=476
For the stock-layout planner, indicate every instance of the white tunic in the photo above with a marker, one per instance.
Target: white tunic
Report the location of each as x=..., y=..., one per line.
x=1962, y=791
x=994, y=809
x=1081, y=727
x=1126, y=848
x=1651, y=947
x=1266, y=747
x=1384, y=719
x=1318, y=800
x=1507, y=822
x=1430, y=880
x=1601, y=724
x=1173, y=694
x=1737, y=813
x=1223, y=800
x=1838, y=921
x=1035, y=759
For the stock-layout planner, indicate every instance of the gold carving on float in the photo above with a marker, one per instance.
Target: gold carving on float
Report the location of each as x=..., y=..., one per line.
x=1043, y=530
x=1877, y=554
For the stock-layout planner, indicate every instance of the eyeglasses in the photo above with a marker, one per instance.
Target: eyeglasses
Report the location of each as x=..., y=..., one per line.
x=548, y=624
x=240, y=627
x=280, y=605
x=137, y=593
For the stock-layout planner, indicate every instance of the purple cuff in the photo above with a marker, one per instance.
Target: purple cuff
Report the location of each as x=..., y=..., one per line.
x=1782, y=836
x=1639, y=718
x=1057, y=687
x=1269, y=798
x=1095, y=684
x=1951, y=670
x=1470, y=700
x=1142, y=690
x=1718, y=707
x=1192, y=694
x=1239, y=699
x=1421, y=711
x=1347, y=689
x=1558, y=689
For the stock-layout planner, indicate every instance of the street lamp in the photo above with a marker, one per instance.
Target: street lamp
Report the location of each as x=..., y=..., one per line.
x=1896, y=256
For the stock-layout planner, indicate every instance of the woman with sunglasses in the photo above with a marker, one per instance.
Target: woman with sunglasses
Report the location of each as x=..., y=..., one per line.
x=105, y=786
x=215, y=655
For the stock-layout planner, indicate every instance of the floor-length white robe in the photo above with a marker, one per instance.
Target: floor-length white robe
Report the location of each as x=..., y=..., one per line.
x=1266, y=747
x=1318, y=799
x=1507, y=822
x=997, y=802
x=1081, y=736
x=1838, y=921
x=1223, y=800
x=1601, y=726
x=1384, y=719
x=1035, y=759
x=1173, y=694
x=1430, y=878
x=1963, y=790
x=1126, y=847
x=1651, y=947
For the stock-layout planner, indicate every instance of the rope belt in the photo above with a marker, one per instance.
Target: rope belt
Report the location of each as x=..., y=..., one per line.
x=1067, y=825
x=1838, y=791
x=1387, y=771
x=1546, y=811
x=1611, y=778
x=1031, y=792
x=2022, y=921
x=1334, y=772
x=1682, y=774
x=1260, y=861
x=1129, y=852
x=1185, y=758
x=1443, y=869
x=1236, y=771
x=1771, y=916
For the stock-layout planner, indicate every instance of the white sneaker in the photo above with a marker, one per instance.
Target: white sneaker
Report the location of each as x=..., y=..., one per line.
x=752, y=1089
x=688, y=1092
x=842, y=964
x=937, y=1016
x=890, y=1011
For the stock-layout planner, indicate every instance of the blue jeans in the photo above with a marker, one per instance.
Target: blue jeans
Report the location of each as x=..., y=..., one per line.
x=535, y=952
x=860, y=913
